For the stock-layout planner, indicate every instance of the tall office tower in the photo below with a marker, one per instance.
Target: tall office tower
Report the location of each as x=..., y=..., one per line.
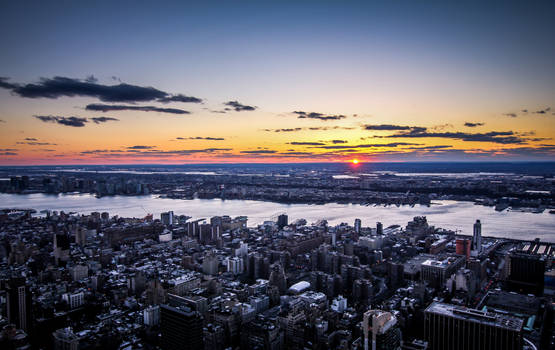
x=381, y=331
x=463, y=247
x=379, y=228
x=477, y=237
x=527, y=272
x=358, y=223
x=80, y=236
x=181, y=328
x=167, y=218
x=277, y=278
x=455, y=327
x=210, y=264
x=18, y=303
x=282, y=221
x=61, y=248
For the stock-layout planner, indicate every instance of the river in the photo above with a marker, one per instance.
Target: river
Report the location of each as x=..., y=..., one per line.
x=452, y=215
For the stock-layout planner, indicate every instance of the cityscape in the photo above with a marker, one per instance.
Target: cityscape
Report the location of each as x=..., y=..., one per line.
x=277, y=175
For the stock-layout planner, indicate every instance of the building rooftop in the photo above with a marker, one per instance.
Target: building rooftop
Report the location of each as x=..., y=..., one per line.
x=477, y=316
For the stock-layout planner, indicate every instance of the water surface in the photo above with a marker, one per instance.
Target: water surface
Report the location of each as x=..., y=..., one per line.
x=452, y=215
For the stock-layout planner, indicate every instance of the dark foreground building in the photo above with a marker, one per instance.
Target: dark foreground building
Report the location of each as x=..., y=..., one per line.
x=454, y=327
x=181, y=328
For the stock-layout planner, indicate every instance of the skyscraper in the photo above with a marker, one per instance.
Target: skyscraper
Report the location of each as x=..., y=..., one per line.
x=380, y=331
x=181, y=328
x=454, y=327
x=19, y=303
x=167, y=218
x=282, y=221
x=358, y=223
x=477, y=237
x=379, y=228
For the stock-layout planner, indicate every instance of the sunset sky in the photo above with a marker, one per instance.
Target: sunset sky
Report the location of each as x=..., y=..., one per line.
x=276, y=81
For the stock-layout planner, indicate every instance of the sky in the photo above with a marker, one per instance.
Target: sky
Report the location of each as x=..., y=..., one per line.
x=174, y=82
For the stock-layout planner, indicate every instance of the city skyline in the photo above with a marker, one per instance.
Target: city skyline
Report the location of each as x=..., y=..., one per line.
x=177, y=83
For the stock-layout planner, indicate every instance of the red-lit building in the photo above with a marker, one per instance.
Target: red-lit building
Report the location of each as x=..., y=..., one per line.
x=463, y=247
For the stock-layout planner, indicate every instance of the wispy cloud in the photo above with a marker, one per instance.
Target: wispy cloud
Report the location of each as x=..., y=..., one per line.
x=316, y=115
x=70, y=87
x=239, y=107
x=73, y=121
x=99, y=120
x=106, y=108
x=473, y=125
x=201, y=138
x=67, y=121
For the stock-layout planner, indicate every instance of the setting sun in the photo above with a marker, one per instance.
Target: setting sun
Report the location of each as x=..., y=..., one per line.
x=355, y=161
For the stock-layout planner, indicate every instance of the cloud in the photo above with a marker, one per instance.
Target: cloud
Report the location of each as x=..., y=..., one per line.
x=180, y=98
x=315, y=115
x=67, y=121
x=8, y=153
x=306, y=143
x=428, y=148
x=284, y=130
x=501, y=137
x=374, y=145
x=2, y=121
x=106, y=108
x=473, y=125
x=314, y=128
x=543, y=111
x=526, y=111
x=261, y=151
x=140, y=147
x=98, y=120
x=238, y=107
x=338, y=141
x=89, y=87
x=72, y=121
x=201, y=138
x=31, y=141
x=91, y=79
x=69, y=87
x=512, y=115
x=387, y=127
x=134, y=152
x=5, y=84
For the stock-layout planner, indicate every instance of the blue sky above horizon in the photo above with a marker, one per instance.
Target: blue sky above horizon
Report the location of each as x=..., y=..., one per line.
x=395, y=80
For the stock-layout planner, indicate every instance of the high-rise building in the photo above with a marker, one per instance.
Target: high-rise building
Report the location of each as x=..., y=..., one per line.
x=477, y=237
x=463, y=247
x=18, y=303
x=61, y=248
x=167, y=218
x=379, y=228
x=282, y=221
x=235, y=265
x=181, y=328
x=357, y=226
x=454, y=327
x=74, y=300
x=277, y=278
x=526, y=272
x=437, y=271
x=210, y=264
x=151, y=316
x=380, y=331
